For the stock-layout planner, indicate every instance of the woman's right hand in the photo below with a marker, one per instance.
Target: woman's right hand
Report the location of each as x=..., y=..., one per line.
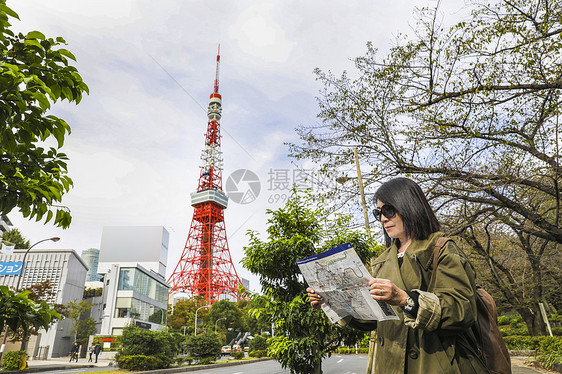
x=315, y=299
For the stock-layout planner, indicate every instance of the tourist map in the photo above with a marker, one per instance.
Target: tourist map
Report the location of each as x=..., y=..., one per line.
x=340, y=277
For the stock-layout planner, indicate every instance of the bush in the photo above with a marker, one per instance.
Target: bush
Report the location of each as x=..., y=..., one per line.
x=258, y=353
x=142, y=362
x=207, y=360
x=14, y=360
x=557, y=331
x=237, y=355
x=550, y=351
x=258, y=343
x=527, y=343
x=204, y=345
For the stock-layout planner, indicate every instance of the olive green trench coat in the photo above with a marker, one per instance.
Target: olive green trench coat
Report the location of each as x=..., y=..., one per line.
x=438, y=340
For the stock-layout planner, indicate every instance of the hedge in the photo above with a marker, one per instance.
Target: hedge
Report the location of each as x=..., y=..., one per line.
x=142, y=362
x=14, y=360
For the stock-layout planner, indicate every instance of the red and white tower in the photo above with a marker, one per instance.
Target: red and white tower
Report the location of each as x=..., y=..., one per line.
x=205, y=267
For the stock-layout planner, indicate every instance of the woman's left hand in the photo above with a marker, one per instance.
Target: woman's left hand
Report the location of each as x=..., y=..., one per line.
x=384, y=290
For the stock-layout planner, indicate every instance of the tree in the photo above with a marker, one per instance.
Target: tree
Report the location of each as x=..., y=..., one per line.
x=38, y=292
x=183, y=315
x=34, y=73
x=19, y=312
x=14, y=236
x=471, y=111
x=81, y=327
x=229, y=310
x=303, y=335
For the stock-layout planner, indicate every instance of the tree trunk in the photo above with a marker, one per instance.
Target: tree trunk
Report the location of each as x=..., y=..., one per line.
x=533, y=320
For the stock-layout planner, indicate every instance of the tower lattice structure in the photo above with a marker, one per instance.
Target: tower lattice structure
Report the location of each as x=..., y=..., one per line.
x=205, y=267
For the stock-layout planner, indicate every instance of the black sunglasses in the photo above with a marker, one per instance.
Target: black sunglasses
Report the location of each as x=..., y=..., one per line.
x=386, y=210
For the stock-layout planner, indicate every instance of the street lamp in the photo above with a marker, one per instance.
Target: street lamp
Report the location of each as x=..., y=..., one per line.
x=368, y=229
x=206, y=306
x=20, y=275
x=217, y=322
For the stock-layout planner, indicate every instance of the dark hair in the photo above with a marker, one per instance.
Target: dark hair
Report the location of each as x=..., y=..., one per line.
x=408, y=199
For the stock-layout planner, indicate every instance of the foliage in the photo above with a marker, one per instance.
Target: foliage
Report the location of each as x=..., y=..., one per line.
x=14, y=236
x=528, y=343
x=14, y=360
x=229, y=310
x=258, y=353
x=92, y=292
x=470, y=111
x=237, y=355
x=137, y=341
x=18, y=311
x=184, y=314
x=142, y=362
x=34, y=73
x=303, y=335
x=258, y=343
x=204, y=345
x=206, y=360
x=550, y=352
x=81, y=328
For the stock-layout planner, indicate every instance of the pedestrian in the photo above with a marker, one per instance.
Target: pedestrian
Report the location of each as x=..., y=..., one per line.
x=433, y=333
x=74, y=352
x=97, y=350
x=91, y=351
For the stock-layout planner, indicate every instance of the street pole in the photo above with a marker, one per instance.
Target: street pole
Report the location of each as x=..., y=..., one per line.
x=362, y=192
x=217, y=322
x=20, y=276
x=372, y=346
x=206, y=306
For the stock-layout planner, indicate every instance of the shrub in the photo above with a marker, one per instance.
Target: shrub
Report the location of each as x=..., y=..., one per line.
x=550, y=351
x=14, y=360
x=529, y=343
x=237, y=355
x=557, y=331
x=207, y=360
x=142, y=362
x=258, y=353
x=258, y=343
x=204, y=345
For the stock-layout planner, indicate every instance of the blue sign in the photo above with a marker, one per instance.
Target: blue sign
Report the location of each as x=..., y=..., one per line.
x=11, y=268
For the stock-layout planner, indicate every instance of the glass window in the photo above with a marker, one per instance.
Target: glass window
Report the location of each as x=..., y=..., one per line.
x=126, y=279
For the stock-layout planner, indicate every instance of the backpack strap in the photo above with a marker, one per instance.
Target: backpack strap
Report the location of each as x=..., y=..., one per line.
x=440, y=243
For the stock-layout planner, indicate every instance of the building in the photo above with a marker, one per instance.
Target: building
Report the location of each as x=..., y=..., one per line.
x=67, y=272
x=133, y=263
x=5, y=224
x=91, y=258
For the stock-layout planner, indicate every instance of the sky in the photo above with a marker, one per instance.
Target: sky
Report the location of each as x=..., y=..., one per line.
x=150, y=66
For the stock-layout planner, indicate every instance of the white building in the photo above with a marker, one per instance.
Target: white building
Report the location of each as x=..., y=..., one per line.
x=66, y=271
x=133, y=264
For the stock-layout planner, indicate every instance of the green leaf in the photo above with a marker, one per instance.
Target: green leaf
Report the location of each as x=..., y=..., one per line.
x=4, y=8
x=66, y=53
x=34, y=43
x=35, y=35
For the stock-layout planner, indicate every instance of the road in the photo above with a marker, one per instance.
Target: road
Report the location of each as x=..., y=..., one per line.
x=337, y=364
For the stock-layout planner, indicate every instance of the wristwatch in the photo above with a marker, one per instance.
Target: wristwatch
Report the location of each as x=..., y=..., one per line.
x=410, y=304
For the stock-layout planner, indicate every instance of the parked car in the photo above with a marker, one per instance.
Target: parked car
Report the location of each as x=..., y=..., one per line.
x=236, y=348
x=225, y=350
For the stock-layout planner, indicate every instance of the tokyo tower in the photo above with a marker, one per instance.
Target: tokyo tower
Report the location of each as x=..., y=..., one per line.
x=205, y=267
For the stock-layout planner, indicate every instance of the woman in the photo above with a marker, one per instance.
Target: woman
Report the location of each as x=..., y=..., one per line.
x=433, y=334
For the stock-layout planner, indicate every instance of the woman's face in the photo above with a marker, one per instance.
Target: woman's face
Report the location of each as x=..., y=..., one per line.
x=393, y=225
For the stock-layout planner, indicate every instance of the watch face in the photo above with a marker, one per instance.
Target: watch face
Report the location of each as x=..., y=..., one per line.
x=410, y=303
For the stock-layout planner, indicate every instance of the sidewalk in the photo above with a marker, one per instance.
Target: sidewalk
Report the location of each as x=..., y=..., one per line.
x=518, y=366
